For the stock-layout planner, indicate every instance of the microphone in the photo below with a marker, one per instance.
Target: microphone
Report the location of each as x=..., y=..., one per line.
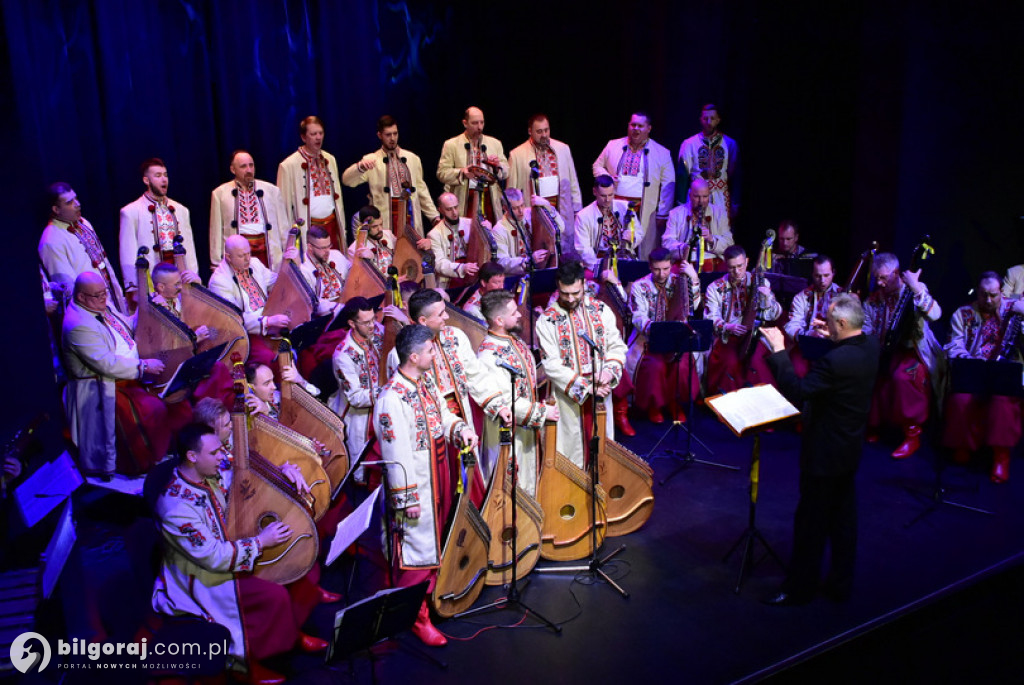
x=402, y=160
x=483, y=148
x=392, y=270
x=508, y=367
x=625, y=147
x=259, y=192
x=468, y=147
x=593, y=345
x=387, y=160
x=534, y=169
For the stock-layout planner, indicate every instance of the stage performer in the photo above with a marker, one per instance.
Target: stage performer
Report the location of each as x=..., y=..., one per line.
x=697, y=214
x=251, y=208
x=391, y=171
x=568, y=362
x=70, y=246
x=835, y=398
x=153, y=221
x=460, y=157
x=502, y=346
x=808, y=309
x=512, y=251
x=712, y=156
x=448, y=239
x=555, y=175
x=656, y=377
x=912, y=376
x=413, y=424
x=978, y=331
x=726, y=300
x=98, y=353
x=490, y=277
x=604, y=221
x=379, y=246
x=325, y=270
x=208, y=576
x=311, y=184
x=644, y=177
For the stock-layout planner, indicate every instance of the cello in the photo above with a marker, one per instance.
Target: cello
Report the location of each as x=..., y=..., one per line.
x=306, y=415
x=201, y=307
x=564, y=492
x=460, y=580
x=627, y=479
x=497, y=513
x=260, y=495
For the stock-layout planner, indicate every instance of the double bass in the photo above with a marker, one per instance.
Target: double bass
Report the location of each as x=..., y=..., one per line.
x=307, y=416
x=260, y=495
x=460, y=580
x=627, y=479
x=497, y=513
x=201, y=307
x=564, y=492
x=902, y=321
x=751, y=313
x=158, y=333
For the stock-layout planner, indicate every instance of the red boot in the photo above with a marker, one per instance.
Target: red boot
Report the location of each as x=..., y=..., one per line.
x=1000, y=464
x=911, y=442
x=621, y=420
x=261, y=675
x=425, y=630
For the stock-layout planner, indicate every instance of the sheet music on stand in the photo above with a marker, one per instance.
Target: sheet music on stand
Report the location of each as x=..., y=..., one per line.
x=193, y=370
x=58, y=549
x=44, y=490
x=352, y=526
x=747, y=408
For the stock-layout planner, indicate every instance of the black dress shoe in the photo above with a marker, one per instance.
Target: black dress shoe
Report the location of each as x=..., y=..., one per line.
x=784, y=599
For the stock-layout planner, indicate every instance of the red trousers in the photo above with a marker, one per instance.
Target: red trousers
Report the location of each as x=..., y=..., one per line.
x=273, y=614
x=728, y=371
x=902, y=393
x=145, y=427
x=973, y=422
x=657, y=378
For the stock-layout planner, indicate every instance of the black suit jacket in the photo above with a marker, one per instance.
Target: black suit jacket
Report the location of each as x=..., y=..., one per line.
x=836, y=398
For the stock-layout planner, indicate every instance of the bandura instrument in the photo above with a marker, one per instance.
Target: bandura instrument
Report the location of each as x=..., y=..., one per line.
x=613, y=294
x=307, y=416
x=259, y=496
x=407, y=257
x=497, y=513
x=564, y=492
x=1008, y=340
x=281, y=444
x=364, y=279
x=755, y=300
x=393, y=297
x=291, y=295
x=201, y=307
x=159, y=333
x=544, y=232
x=627, y=479
x=460, y=580
x=902, y=321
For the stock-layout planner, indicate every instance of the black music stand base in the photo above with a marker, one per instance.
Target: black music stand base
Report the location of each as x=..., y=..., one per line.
x=594, y=568
x=751, y=535
x=938, y=498
x=683, y=458
x=513, y=600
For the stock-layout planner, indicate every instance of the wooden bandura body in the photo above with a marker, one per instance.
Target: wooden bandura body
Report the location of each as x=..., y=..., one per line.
x=407, y=258
x=158, y=333
x=201, y=307
x=564, y=492
x=460, y=580
x=627, y=479
x=278, y=444
x=497, y=513
x=260, y=495
x=291, y=295
x=545, y=237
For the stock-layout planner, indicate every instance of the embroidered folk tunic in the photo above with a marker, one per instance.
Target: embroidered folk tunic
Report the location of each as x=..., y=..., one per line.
x=357, y=368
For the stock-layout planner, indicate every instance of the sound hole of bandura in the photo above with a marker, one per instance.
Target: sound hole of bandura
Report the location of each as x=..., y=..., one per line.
x=567, y=512
x=617, y=492
x=463, y=562
x=507, y=534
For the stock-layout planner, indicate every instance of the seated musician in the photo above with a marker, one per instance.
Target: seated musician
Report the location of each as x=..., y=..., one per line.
x=512, y=251
x=501, y=347
x=449, y=239
x=264, y=396
x=656, y=376
x=1013, y=282
x=726, y=300
x=200, y=563
x=70, y=246
x=357, y=366
x=808, y=309
x=906, y=379
x=243, y=281
x=413, y=424
x=789, y=249
x=490, y=277
x=325, y=270
x=568, y=361
x=167, y=285
x=604, y=222
x=713, y=223
x=978, y=331
x=379, y=243
x=98, y=353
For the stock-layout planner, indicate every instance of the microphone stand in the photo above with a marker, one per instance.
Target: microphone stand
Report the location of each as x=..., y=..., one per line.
x=595, y=567
x=513, y=600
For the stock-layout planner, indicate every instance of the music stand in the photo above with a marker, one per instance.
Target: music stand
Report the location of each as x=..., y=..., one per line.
x=361, y=626
x=680, y=338
x=975, y=377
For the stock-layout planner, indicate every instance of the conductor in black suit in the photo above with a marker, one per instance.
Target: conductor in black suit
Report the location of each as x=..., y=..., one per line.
x=836, y=397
